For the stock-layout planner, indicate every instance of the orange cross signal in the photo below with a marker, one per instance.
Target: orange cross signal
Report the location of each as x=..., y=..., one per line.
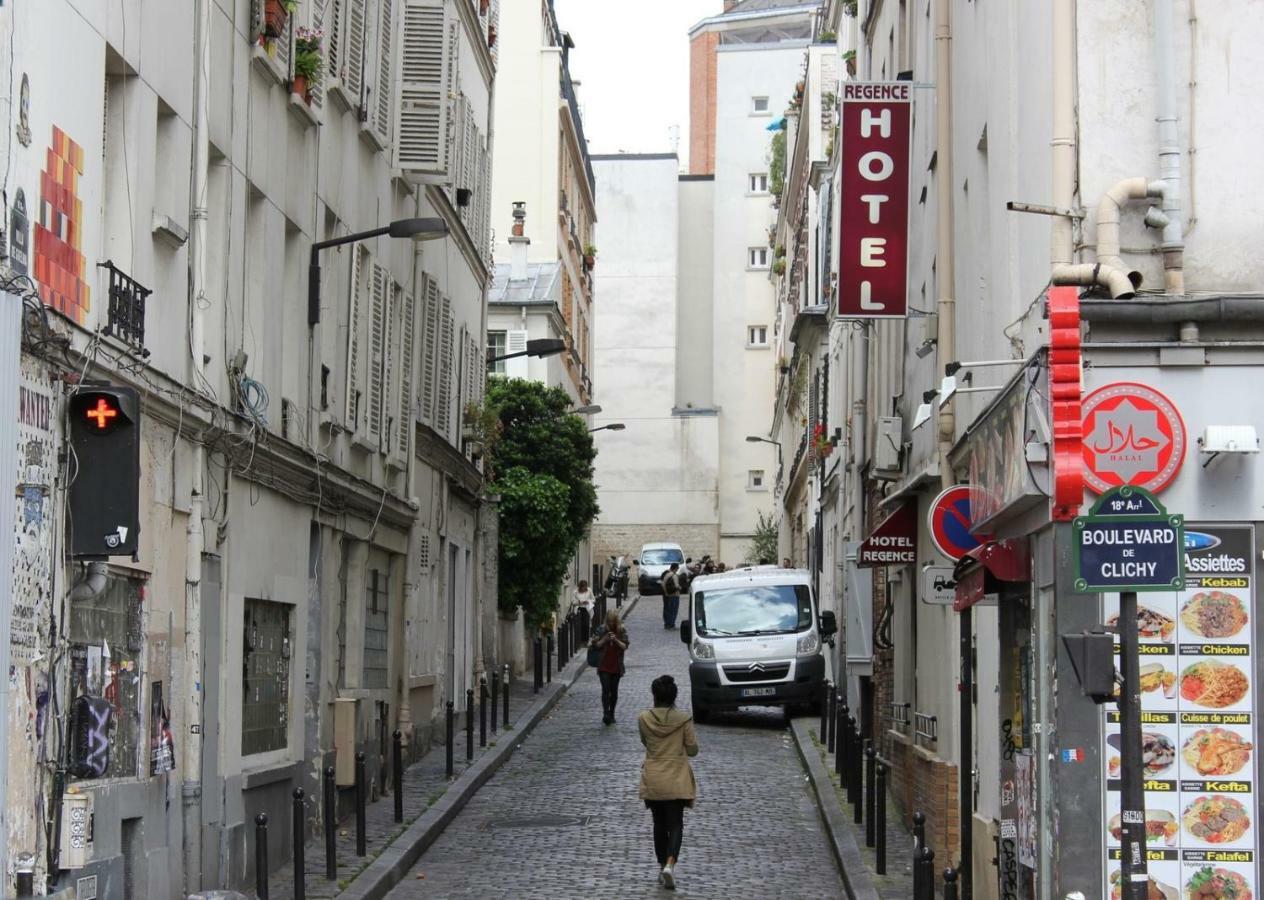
x=102, y=413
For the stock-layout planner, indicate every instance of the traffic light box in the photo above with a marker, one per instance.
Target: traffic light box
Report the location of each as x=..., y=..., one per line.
x=104, y=471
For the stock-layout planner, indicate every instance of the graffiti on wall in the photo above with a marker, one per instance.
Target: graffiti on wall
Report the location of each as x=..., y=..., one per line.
x=32, y=560
x=59, y=260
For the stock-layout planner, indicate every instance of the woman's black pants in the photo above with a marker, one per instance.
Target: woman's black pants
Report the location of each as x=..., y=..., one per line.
x=669, y=828
x=609, y=693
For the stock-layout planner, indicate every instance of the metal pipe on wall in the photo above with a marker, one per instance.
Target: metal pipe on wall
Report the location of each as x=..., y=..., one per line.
x=1169, y=149
x=945, y=257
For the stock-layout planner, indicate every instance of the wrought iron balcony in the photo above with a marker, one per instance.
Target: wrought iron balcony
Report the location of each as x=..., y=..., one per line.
x=126, y=315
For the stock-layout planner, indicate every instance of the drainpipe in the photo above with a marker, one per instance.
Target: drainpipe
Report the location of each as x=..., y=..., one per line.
x=1169, y=150
x=191, y=757
x=1108, y=213
x=946, y=305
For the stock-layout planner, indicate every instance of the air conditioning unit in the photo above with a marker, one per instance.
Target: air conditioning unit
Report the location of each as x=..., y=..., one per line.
x=887, y=447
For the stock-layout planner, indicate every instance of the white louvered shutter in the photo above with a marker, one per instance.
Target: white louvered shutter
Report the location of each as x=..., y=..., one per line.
x=335, y=21
x=355, y=383
x=405, y=415
x=443, y=411
x=426, y=68
x=391, y=366
x=460, y=143
x=484, y=199
x=381, y=112
x=516, y=342
x=494, y=25
x=429, y=349
x=320, y=14
x=282, y=48
x=377, y=349
x=353, y=67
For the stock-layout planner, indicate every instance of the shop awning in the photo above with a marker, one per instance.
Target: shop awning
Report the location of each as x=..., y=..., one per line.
x=980, y=573
x=894, y=541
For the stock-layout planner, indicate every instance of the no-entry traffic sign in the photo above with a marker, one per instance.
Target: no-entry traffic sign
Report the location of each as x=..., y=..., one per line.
x=949, y=523
x=1128, y=542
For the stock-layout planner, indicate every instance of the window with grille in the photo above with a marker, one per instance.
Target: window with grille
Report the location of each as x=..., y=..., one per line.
x=755, y=480
x=265, y=703
x=496, y=341
x=107, y=641
x=757, y=336
x=757, y=258
x=376, y=629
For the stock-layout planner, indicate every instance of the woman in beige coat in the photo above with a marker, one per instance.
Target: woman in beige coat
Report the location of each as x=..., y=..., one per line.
x=667, y=783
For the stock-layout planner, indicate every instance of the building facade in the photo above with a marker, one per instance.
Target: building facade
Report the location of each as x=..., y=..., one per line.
x=311, y=519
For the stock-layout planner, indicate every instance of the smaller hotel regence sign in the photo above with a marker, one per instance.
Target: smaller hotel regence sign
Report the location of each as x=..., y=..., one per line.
x=873, y=231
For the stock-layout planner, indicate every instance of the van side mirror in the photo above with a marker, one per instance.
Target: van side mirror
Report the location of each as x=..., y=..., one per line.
x=686, y=632
x=829, y=624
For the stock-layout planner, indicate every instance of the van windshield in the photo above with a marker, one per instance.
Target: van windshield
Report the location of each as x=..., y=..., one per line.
x=753, y=609
x=661, y=557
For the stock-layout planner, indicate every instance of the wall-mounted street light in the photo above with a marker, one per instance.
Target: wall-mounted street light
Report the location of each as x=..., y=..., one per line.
x=538, y=348
x=758, y=439
x=417, y=229
x=590, y=410
x=613, y=426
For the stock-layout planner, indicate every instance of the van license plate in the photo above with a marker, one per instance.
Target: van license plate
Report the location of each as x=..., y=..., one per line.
x=759, y=692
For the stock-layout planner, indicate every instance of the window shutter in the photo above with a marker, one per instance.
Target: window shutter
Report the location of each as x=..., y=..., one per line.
x=283, y=48
x=377, y=349
x=384, y=104
x=482, y=239
x=429, y=349
x=353, y=67
x=443, y=412
x=335, y=20
x=516, y=342
x=405, y=416
x=813, y=398
x=426, y=75
x=354, y=382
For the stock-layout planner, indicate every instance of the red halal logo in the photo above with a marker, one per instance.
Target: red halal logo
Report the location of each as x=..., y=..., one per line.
x=1132, y=435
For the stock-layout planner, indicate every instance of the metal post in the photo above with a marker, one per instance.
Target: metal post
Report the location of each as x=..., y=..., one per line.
x=469, y=724
x=504, y=684
x=871, y=794
x=261, y=856
x=495, y=696
x=919, y=842
x=853, y=763
x=830, y=707
x=300, y=865
x=398, y=773
x=841, y=742
x=1131, y=795
x=537, y=649
x=482, y=711
x=965, y=787
x=361, y=787
x=825, y=708
x=928, y=873
x=950, y=884
x=331, y=825
x=451, y=723
x=548, y=657
x=880, y=819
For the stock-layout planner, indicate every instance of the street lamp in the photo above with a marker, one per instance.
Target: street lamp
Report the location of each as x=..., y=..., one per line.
x=613, y=426
x=586, y=410
x=538, y=348
x=756, y=439
x=417, y=229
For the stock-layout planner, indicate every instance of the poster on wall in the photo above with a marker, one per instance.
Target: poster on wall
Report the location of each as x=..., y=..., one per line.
x=1198, y=720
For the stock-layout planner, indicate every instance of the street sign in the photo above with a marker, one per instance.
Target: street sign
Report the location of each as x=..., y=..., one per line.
x=1128, y=542
x=938, y=586
x=949, y=523
x=894, y=541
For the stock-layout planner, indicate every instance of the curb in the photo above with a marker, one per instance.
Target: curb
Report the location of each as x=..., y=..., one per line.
x=397, y=859
x=851, y=864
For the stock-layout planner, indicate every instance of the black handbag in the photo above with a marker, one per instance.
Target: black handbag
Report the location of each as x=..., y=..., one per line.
x=595, y=652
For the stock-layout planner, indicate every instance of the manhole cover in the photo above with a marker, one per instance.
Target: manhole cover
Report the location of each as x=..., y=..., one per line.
x=537, y=822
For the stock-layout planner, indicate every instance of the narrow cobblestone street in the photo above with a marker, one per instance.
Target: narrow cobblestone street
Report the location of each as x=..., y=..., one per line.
x=562, y=818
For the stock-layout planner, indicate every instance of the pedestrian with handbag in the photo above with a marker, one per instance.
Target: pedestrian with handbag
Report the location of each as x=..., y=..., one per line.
x=605, y=653
x=671, y=595
x=667, y=782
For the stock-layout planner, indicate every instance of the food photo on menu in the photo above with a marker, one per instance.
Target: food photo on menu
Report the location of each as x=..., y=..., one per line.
x=1155, y=889
x=1213, y=684
x=1217, y=752
x=1160, y=824
x=1152, y=625
x=1214, y=615
x=1217, y=819
x=1216, y=883
x=1158, y=754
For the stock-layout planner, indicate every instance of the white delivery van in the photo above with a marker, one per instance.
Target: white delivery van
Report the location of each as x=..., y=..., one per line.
x=755, y=638
x=653, y=563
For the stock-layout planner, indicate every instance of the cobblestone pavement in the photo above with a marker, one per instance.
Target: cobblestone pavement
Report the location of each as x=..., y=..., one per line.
x=562, y=818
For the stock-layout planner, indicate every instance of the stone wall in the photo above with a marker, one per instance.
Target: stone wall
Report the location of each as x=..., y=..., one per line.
x=627, y=540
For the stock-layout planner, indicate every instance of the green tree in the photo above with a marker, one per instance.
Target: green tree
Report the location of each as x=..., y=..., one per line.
x=764, y=541
x=542, y=468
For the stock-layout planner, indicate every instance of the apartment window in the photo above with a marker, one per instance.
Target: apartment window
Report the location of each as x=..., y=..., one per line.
x=759, y=106
x=757, y=336
x=265, y=701
x=755, y=480
x=376, y=629
x=757, y=258
x=759, y=183
x=496, y=342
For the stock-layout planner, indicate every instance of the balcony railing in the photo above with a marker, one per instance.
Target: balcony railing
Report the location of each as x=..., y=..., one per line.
x=926, y=727
x=899, y=715
x=126, y=314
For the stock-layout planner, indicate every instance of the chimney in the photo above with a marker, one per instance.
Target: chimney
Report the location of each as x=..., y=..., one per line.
x=729, y=4
x=518, y=243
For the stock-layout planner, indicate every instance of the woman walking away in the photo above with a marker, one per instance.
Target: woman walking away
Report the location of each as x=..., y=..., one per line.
x=610, y=641
x=667, y=784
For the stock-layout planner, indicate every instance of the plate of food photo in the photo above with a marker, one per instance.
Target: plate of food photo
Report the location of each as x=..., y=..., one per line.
x=1160, y=825
x=1216, y=819
x=1216, y=884
x=1152, y=625
x=1212, y=683
x=1155, y=889
x=1216, y=752
x=1157, y=754
x=1214, y=614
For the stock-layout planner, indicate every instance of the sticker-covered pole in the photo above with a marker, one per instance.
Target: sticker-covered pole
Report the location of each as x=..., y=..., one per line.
x=1132, y=797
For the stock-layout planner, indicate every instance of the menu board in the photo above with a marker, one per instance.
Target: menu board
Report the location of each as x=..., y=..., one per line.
x=1198, y=726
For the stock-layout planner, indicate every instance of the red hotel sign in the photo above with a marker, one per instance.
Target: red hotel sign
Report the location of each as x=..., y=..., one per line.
x=894, y=541
x=873, y=234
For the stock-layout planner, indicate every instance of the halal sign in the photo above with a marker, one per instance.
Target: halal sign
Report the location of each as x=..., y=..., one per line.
x=1133, y=435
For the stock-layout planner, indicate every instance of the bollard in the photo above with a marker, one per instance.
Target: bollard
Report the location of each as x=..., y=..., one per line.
x=469, y=724
x=504, y=684
x=361, y=788
x=928, y=873
x=880, y=819
x=950, y=884
x=919, y=841
x=451, y=714
x=261, y=856
x=398, y=772
x=495, y=696
x=854, y=773
x=824, y=733
x=548, y=657
x=482, y=711
x=831, y=706
x=563, y=638
x=871, y=795
x=537, y=649
x=841, y=743
x=300, y=865
x=331, y=825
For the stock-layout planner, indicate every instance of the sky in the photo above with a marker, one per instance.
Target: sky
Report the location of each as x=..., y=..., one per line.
x=632, y=59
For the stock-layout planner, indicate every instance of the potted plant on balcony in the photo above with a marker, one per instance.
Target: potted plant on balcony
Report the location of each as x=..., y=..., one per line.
x=779, y=266
x=849, y=58
x=276, y=15
x=590, y=256
x=308, y=62
x=821, y=442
